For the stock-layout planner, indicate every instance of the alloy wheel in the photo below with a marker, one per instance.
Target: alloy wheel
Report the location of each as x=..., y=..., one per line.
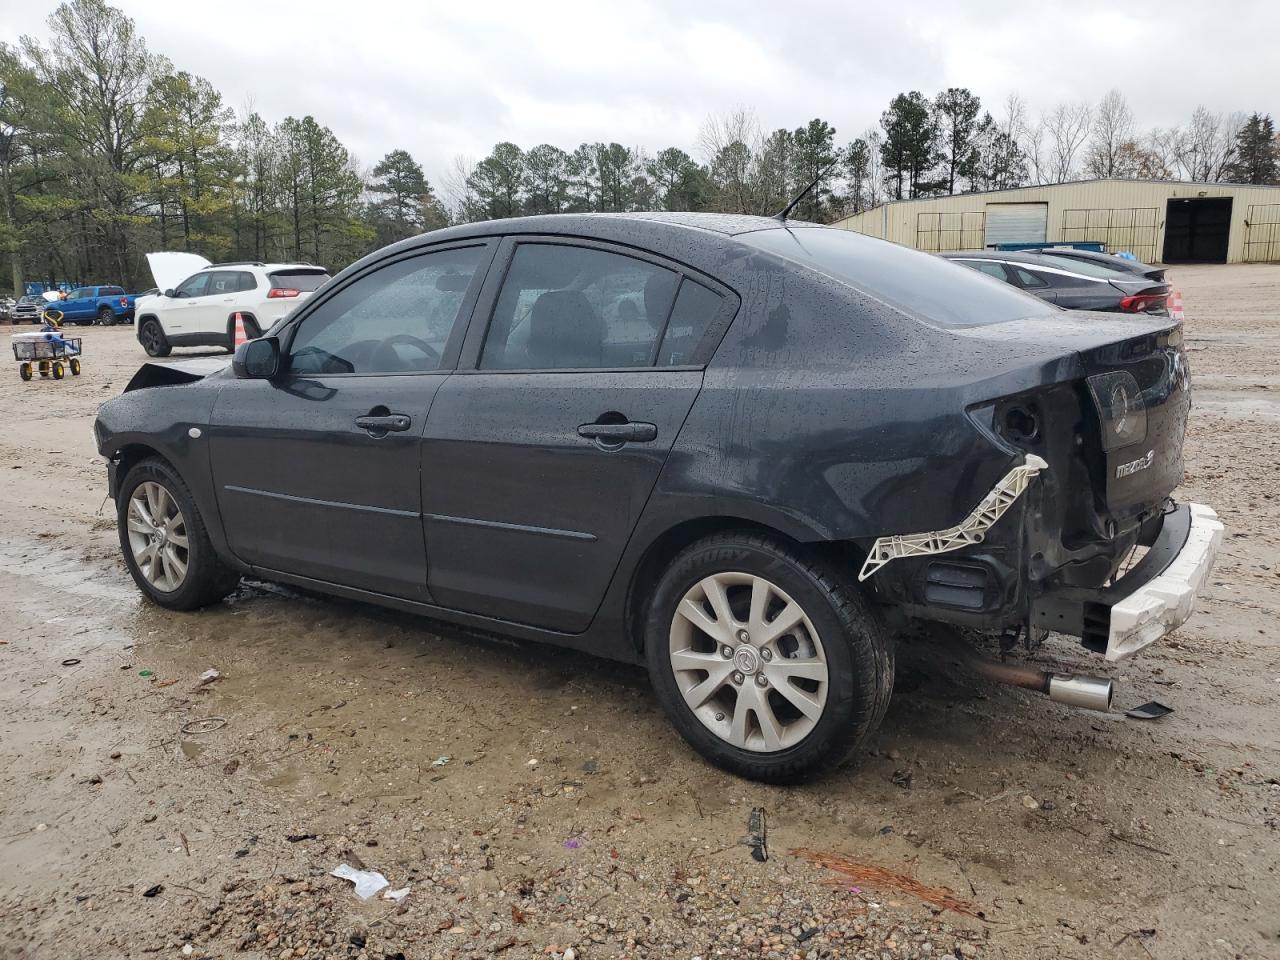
x=748, y=662
x=158, y=536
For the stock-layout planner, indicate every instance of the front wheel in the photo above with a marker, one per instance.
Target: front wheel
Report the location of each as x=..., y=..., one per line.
x=75, y=366
x=164, y=540
x=153, y=340
x=24, y=370
x=767, y=662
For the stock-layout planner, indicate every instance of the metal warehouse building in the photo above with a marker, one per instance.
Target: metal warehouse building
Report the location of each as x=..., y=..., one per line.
x=1158, y=221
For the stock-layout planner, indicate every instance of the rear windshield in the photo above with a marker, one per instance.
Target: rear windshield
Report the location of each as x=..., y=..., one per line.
x=1086, y=268
x=920, y=284
x=304, y=280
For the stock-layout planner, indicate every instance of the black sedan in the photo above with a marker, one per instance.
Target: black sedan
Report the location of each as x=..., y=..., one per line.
x=744, y=452
x=1074, y=285
x=1071, y=256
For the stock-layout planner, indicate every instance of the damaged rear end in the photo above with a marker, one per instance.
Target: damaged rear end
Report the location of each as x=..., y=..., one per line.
x=1081, y=536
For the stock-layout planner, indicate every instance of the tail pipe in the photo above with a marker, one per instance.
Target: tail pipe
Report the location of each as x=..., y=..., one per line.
x=1092, y=693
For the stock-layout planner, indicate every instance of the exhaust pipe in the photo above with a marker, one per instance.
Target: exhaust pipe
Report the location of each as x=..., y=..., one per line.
x=1091, y=693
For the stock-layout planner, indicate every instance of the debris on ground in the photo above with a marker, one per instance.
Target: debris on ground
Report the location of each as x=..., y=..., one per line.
x=756, y=835
x=1152, y=710
x=396, y=895
x=873, y=876
x=440, y=761
x=153, y=891
x=368, y=882
x=209, y=676
x=204, y=725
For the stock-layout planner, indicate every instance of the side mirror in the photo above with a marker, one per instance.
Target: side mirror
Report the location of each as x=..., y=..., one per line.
x=169, y=293
x=257, y=360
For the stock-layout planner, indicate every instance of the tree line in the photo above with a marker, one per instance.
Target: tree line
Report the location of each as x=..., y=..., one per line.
x=107, y=152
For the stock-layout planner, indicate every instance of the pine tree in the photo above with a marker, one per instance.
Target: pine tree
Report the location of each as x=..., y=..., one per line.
x=1257, y=158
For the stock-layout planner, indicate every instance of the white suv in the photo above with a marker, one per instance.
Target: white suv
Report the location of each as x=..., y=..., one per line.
x=200, y=311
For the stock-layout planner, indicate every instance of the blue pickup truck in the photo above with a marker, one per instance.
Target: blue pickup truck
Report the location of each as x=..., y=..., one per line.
x=105, y=305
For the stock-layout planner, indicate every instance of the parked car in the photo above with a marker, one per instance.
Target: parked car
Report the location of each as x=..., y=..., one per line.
x=1122, y=264
x=806, y=440
x=103, y=305
x=1080, y=285
x=201, y=299
x=6, y=307
x=28, y=309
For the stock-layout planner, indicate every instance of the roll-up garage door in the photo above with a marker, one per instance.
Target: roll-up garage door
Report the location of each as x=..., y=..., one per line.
x=1017, y=223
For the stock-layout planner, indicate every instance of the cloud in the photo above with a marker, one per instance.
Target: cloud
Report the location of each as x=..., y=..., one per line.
x=446, y=79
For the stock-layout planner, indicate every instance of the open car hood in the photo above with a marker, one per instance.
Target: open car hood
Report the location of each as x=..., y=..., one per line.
x=172, y=374
x=171, y=268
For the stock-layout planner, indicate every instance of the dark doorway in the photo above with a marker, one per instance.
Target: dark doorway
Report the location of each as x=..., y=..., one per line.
x=1196, y=230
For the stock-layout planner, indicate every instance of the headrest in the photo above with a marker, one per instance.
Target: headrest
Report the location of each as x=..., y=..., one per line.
x=564, y=331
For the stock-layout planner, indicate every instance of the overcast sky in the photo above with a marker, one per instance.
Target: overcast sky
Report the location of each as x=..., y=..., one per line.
x=442, y=79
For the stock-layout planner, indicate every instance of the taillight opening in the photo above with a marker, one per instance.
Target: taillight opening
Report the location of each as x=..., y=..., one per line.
x=276, y=293
x=1144, y=302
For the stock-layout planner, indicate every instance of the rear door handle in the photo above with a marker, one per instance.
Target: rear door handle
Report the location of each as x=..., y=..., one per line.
x=385, y=424
x=619, y=432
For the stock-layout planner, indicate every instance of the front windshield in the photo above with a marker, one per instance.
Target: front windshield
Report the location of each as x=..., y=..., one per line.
x=919, y=284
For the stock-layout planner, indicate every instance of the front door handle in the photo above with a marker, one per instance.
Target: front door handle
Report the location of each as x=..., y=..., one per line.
x=619, y=432
x=381, y=425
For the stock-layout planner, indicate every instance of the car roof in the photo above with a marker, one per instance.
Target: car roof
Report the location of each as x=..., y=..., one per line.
x=268, y=267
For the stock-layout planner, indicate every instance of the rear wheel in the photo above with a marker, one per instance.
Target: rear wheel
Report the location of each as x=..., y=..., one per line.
x=164, y=540
x=75, y=366
x=24, y=370
x=106, y=317
x=59, y=371
x=768, y=663
x=153, y=340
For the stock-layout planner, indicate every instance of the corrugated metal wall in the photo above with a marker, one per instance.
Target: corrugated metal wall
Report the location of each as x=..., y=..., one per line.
x=1123, y=214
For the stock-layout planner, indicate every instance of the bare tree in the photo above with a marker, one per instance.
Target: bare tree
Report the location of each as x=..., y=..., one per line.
x=1066, y=127
x=459, y=199
x=1207, y=145
x=1111, y=137
x=1033, y=143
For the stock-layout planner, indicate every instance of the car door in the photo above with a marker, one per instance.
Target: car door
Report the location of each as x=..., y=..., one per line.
x=212, y=310
x=79, y=304
x=317, y=470
x=180, y=309
x=542, y=449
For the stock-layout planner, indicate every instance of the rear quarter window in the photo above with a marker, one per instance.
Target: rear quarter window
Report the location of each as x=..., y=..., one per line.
x=920, y=285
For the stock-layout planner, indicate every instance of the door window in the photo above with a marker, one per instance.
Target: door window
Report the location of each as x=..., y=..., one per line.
x=566, y=307
x=394, y=320
x=246, y=280
x=223, y=283
x=193, y=286
x=990, y=267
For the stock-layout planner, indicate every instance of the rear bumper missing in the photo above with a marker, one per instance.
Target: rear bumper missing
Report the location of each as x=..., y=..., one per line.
x=1151, y=600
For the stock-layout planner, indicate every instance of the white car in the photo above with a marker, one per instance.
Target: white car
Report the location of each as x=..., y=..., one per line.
x=199, y=300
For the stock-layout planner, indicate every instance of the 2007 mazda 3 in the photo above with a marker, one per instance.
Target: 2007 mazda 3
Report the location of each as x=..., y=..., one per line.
x=747, y=453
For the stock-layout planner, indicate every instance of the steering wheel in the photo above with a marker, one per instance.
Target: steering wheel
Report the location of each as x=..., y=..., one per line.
x=385, y=357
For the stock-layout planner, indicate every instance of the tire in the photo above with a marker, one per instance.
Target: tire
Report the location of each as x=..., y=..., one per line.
x=59, y=371
x=24, y=370
x=75, y=366
x=106, y=317
x=153, y=339
x=205, y=579
x=835, y=626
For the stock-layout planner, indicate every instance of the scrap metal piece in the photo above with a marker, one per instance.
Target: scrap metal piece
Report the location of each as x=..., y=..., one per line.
x=756, y=837
x=972, y=529
x=1152, y=710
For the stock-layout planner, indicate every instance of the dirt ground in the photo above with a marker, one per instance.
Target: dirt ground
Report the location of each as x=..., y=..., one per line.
x=537, y=803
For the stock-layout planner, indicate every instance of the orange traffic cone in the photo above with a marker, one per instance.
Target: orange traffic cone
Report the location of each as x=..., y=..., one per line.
x=241, y=335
